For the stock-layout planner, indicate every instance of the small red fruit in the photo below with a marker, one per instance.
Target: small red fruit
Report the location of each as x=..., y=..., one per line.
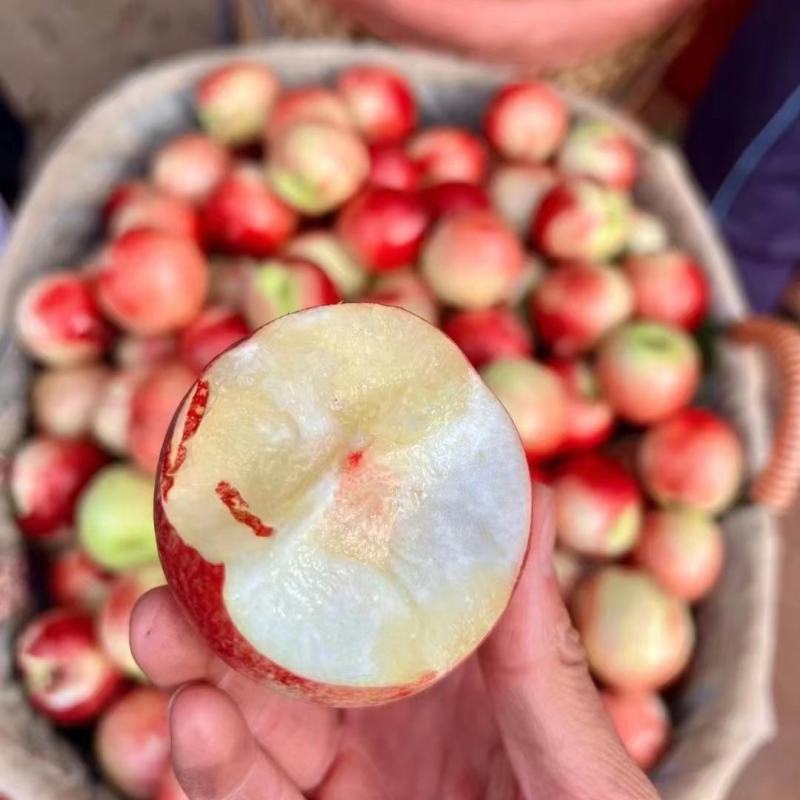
x=325, y=249
x=446, y=154
x=601, y=151
x=138, y=206
x=489, y=334
x=143, y=351
x=516, y=191
x=392, y=168
x=63, y=401
x=75, y=581
x=451, y=197
x=641, y=720
x=229, y=277
x=404, y=289
x=190, y=167
x=113, y=411
x=211, y=333
x=307, y=104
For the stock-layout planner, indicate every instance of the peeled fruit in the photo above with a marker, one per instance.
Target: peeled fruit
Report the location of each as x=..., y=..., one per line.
x=63, y=401
x=47, y=476
x=582, y=221
x=384, y=228
x=452, y=197
x=113, y=621
x=66, y=676
x=641, y=720
x=214, y=330
x=345, y=526
x=488, y=335
x=283, y=286
x=600, y=150
x=190, y=166
x=533, y=396
x=693, y=460
x=404, y=289
x=59, y=321
x=326, y=250
x=316, y=167
x=682, y=550
x=637, y=637
x=648, y=371
x=598, y=506
x=668, y=287
x=132, y=742
x=307, y=104
x=112, y=414
x=115, y=519
x=152, y=282
x=516, y=191
x=575, y=305
x=380, y=102
x=445, y=154
x=139, y=206
x=234, y=101
x=472, y=260
x=392, y=168
x=526, y=121
x=75, y=581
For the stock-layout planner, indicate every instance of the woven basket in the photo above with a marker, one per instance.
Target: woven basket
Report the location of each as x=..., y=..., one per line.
x=722, y=710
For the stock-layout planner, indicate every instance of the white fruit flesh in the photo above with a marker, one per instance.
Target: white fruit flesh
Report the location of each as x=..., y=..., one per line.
x=392, y=481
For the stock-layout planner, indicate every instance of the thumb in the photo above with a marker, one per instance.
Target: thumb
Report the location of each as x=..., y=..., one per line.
x=558, y=738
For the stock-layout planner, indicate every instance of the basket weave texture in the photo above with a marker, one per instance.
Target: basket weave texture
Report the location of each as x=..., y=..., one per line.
x=722, y=709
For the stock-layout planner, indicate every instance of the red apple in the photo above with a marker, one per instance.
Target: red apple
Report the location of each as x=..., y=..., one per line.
x=516, y=191
x=234, y=101
x=392, y=168
x=598, y=506
x=315, y=167
x=170, y=789
x=243, y=216
x=682, y=550
x=646, y=233
x=325, y=249
x=285, y=285
x=190, y=167
x=132, y=742
x=152, y=282
x=384, y=228
x=132, y=351
x=59, y=322
x=114, y=619
x=445, y=154
x=307, y=104
x=489, y=334
x=637, y=637
x=648, y=371
x=112, y=413
x=279, y=467
x=63, y=401
x=668, y=287
x=533, y=396
x=600, y=150
x=590, y=418
x=66, y=675
x=47, y=476
x=451, y=197
x=212, y=332
x=576, y=305
x=526, y=121
x=380, y=102
x=153, y=403
x=75, y=581
x=693, y=460
x=404, y=289
x=139, y=206
x=581, y=221
x=472, y=260
x=641, y=720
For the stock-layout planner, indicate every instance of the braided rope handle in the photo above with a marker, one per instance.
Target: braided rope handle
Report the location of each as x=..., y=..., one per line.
x=777, y=484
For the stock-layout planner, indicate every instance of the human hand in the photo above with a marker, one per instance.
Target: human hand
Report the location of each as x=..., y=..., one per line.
x=519, y=720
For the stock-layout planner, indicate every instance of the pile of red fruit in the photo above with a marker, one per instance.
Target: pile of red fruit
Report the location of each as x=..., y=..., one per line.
x=523, y=244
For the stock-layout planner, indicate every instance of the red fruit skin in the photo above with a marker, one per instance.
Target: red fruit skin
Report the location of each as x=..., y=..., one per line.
x=152, y=282
x=47, y=476
x=526, y=121
x=692, y=460
x=57, y=651
x=384, y=228
x=668, y=287
x=380, y=101
x=454, y=196
x=215, y=330
x=641, y=721
x=132, y=742
x=486, y=335
x=445, y=154
x=190, y=166
x=59, y=321
x=154, y=402
x=139, y=206
x=590, y=419
x=307, y=104
x=75, y=581
x=392, y=168
x=242, y=216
